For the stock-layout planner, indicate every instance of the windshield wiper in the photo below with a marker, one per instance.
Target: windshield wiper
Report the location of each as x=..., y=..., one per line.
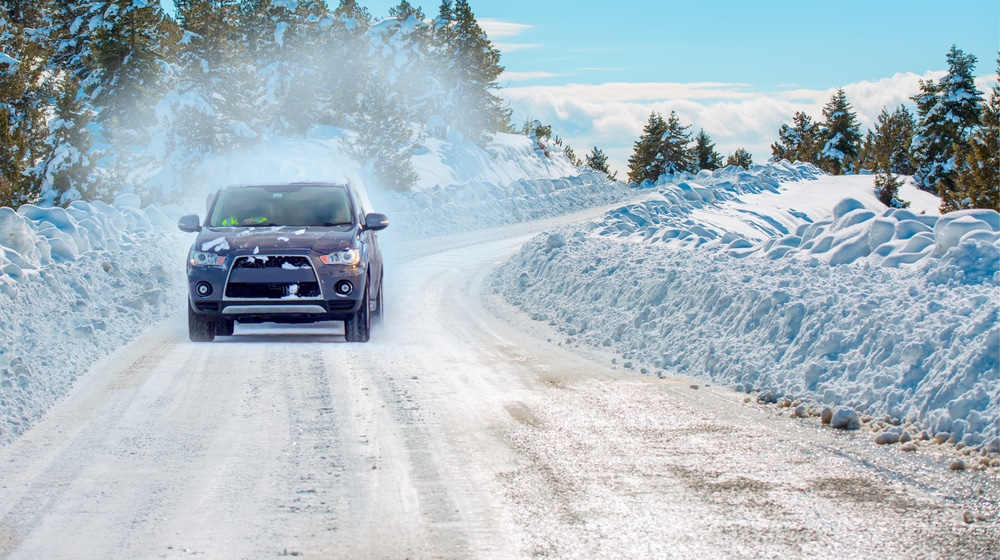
x=332, y=224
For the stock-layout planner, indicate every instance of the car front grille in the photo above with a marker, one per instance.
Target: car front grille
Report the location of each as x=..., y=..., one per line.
x=271, y=277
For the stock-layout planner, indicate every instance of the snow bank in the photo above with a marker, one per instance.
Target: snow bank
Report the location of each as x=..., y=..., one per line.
x=76, y=283
x=477, y=205
x=729, y=276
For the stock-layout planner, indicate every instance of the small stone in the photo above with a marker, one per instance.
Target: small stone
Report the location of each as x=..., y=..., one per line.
x=957, y=465
x=904, y=437
x=909, y=446
x=845, y=418
x=746, y=399
x=968, y=517
x=801, y=411
x=984, y=461
x=695, y=387
x=826, y=415
x=866, y=419
x=886, y=438
x=940, y=438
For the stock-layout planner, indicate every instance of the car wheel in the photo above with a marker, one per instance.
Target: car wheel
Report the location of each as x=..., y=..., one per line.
x=200, y=329
x=357, y=327
x=225, y=327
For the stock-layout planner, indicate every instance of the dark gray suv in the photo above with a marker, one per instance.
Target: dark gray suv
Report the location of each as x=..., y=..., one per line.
x=290, y=253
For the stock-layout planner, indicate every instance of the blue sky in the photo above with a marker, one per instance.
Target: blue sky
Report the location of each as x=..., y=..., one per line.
x=738, y=69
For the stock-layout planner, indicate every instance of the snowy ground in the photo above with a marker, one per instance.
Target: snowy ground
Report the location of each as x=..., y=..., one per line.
x=796, y=286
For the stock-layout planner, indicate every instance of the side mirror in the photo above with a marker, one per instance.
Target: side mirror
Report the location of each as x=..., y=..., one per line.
x=376, y=222
x=189, y=223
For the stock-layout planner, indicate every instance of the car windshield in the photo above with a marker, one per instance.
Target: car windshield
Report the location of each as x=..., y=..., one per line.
x=282, y=205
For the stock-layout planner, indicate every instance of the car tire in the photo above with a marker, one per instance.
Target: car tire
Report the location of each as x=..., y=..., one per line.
x=200, y=329
x=358, y=326
x=377, y=315
x=225, y=327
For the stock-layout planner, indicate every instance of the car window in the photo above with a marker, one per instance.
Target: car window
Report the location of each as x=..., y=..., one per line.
x=283, y=205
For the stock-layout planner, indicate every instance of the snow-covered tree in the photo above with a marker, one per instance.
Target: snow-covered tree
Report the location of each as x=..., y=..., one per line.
x=471, y=67
x=978, y=182
x=888, y=146
x=705, y=153
x=25, y=94
x=286, y=59
x=740, y=158
x=947, y=113
x=646, y=163
x=664, y=147
x=840, y=135
x=384, y=144
x=798, y=142
x=598, y=161
x=129, y=44
x=67, y=174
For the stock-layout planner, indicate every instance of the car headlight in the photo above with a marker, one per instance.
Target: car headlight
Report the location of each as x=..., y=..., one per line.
x=347, y=256
x=197, y=258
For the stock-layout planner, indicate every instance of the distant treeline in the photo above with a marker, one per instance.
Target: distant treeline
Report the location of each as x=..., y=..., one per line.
x=951, y=147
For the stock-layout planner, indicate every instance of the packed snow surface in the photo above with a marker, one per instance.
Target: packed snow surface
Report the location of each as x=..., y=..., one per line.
x=786, y=281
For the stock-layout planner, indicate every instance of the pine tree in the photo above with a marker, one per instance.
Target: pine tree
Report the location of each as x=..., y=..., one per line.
x=384, y=144
x=887, y=188
x=645, y=163
x=798, y=142
x=663, y=148
x=347, y=65
x=128, y=48
x=675, y=147
x=206, y=92
x=948, y=111
x=840, y=136
x=473, y=66
x=597, y=161
x=740, y=158
x=978, y=182
x=25, y=93
x=67, y=175
x=705, y=152
x=571, y=156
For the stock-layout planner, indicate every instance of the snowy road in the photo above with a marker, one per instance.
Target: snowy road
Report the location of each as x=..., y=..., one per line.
x=454, y=434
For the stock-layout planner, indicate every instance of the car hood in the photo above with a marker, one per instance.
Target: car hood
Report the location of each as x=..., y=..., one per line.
x=253, y=240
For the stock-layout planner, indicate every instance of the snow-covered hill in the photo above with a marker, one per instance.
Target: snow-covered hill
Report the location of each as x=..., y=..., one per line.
x=790, y=283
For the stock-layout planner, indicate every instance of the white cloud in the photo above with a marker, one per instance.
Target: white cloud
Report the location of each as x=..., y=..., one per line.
x=611, y=116
x=495, y=28
x=522, y=76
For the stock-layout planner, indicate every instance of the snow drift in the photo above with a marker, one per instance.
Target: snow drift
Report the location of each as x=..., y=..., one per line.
x=886, y=311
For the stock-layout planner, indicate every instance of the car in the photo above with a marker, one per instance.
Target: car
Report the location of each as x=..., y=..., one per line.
x=285, y=253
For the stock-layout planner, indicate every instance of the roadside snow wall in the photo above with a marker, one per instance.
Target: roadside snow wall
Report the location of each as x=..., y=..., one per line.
x=75, y=284
x=478, y=205
x=889, y=313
